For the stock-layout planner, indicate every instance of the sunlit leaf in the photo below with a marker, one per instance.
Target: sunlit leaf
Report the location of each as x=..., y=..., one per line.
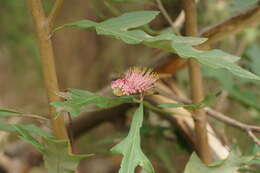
x=230, y=165
x=77, y=100
x=130, y=147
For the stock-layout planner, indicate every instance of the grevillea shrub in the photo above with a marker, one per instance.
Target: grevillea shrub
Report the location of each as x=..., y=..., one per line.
x=134, y=87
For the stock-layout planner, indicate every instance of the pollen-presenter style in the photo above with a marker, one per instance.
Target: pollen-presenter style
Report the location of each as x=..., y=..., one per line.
x=134, y=81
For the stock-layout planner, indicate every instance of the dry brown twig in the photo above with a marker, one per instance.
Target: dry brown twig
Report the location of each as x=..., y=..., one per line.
x=167, y=17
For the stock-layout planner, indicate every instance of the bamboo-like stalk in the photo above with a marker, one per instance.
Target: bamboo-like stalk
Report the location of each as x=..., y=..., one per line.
x=196, y=83
x=48, y=66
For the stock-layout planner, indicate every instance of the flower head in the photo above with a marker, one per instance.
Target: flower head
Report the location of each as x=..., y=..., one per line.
x=135, y=80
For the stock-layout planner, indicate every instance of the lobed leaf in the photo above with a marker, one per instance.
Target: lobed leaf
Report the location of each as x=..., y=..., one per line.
x=57, y=157
x=56, y=153
x=130, y=147
x=119, y=27
x=122, y=28
x=229, y=165
x=77, y=99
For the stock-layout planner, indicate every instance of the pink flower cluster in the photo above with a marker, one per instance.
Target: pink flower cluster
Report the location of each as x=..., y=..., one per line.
x=135, y=80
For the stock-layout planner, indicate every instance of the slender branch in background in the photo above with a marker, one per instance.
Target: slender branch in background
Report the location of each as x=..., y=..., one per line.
x=167, y=17
x=249, y=129
x=253, y=137
x=54, y=12
x=230, y=121
x=218, y=32
x=196, y=84
x=48, y=65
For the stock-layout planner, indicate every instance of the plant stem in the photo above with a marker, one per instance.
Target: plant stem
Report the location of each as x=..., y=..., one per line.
x=167, y=17
x=54, y=12
x=196, y=79
x=48, y=65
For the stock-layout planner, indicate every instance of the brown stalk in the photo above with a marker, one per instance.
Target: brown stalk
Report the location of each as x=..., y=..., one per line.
x=196, y=79
x=48, y=65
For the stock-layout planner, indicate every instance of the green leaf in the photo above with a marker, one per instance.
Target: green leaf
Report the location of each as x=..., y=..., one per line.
x=27, y=137
x=203, y=103
x=130, y=147
x=8, y=112
x=13, y=113
x=6, y=127
x=240, y=4
x=171, y=105
x=215, y=59
x=78, y=99
x=253, y=52
x=118, y=27
x=247, y=97
x=56, y=153
x=57, y=158
x=230, y=165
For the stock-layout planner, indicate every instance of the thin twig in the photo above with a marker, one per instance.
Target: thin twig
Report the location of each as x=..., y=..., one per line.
x=219, y=116
x=235, y=123
x=54, y=12
x=167, y=17
x=253, y=137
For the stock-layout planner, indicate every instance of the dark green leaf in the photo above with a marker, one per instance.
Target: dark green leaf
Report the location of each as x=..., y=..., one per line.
x=130, y=147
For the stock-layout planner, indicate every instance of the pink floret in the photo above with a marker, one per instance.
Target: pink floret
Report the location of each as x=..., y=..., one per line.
x=135, y=80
